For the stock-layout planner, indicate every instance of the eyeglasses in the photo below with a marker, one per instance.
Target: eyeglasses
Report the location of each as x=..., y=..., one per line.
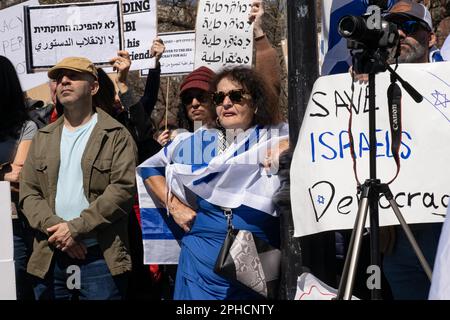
x=235, y=96
x=201, y=97
x=411, y=26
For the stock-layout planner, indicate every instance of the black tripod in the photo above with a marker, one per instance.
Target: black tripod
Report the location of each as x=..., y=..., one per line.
x=370, y=192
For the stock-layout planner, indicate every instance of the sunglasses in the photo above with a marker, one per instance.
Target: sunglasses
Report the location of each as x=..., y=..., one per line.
x=201, y=97
x=235, y=96
x=411, y=26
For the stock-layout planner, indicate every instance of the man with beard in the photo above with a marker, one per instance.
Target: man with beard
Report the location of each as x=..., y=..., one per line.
x=402, y=269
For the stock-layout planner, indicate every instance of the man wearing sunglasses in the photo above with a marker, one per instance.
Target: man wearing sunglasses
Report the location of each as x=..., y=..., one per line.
x=415, y=29
x=401, y=266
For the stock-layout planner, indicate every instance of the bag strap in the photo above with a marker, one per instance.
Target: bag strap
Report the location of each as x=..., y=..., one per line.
x=228, y=213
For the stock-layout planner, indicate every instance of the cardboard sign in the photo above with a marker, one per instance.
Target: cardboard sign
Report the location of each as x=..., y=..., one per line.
x=54, y=32
x=178, y=58
x=223, y=35
x=12, y=44
x=323, y=185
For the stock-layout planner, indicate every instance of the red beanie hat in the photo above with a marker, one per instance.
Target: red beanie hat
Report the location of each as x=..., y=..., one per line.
x=200, y=78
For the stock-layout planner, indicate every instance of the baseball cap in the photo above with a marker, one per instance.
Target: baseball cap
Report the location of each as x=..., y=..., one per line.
x=200, y=78
x=78, y=64
x=406, y=9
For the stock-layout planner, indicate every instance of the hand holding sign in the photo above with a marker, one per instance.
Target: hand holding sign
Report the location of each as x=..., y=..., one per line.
x=121, y=64
x=157, y=49
x=255, y=16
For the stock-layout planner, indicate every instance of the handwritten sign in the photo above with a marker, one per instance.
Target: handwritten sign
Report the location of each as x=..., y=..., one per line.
x=311, y=288
x=323, y=187
x=12, y=44
x=7, y=274
x=178, y=58
x=91, y=30
x=223, y=35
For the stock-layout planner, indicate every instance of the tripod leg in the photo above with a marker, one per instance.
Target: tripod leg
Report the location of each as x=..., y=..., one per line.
x=351, y=261
x=410, y=236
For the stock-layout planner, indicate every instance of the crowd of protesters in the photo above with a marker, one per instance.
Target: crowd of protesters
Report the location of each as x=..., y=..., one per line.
x=72, y=169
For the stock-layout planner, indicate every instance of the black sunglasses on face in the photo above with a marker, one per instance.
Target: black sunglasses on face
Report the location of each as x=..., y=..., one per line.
x=201, y=97
x=411, y=26
x=235, y=96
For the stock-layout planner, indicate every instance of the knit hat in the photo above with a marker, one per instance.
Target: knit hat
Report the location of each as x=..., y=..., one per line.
x=405, y=9
x=77, y=64
x=200, y=78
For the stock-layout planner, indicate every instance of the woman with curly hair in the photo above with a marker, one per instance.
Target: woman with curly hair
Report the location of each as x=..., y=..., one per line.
x=212, y=172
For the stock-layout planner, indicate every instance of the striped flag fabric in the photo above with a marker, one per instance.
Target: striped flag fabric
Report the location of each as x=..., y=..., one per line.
x=193, y=168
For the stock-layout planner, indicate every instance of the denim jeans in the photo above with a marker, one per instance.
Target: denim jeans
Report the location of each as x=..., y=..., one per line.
x=96, y=283
x=402, y=268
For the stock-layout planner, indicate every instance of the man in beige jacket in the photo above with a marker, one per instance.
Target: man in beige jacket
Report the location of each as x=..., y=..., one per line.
x=76, y=189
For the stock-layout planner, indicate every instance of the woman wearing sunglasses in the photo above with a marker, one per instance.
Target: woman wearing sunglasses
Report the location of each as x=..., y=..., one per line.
x=210, y=171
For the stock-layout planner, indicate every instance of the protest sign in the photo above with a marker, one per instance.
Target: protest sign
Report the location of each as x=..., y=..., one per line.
x=323, y=186
x=178, y=58
x=7, y=274
x=140, y=27
x=53, y=32
x=311, y=288
x=224, y=37
x=12, y=44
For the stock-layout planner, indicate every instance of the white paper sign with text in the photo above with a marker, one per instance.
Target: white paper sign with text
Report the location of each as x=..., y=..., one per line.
x=224, y=37
x=323, y=186
x=139, y=30
x=12, y=44
x=178, y=58
x=54, y=32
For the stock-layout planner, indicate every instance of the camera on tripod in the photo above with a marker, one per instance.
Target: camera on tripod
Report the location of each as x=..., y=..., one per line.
x=371, y=39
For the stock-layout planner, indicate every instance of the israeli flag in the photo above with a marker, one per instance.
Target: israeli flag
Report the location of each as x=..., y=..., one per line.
x=193, y=167
x=337, y=57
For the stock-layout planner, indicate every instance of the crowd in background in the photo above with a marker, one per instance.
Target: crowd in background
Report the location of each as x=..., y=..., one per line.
x=72, y=166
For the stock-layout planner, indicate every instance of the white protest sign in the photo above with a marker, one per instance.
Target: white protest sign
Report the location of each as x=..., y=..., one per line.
x=323, y=187
x=7, y=274
x=12, y=44
x=178, y=58
x=311, y=288
x=223, y=35
x=140, y=27
x=53, y=32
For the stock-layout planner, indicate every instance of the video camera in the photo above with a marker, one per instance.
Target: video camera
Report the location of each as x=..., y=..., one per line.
x=370, y=38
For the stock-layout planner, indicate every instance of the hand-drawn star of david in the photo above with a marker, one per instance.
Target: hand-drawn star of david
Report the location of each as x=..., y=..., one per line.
x=441, y=99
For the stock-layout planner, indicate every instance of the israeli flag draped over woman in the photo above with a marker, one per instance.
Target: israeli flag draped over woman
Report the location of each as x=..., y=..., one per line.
x=191, y=167
x=201, y=175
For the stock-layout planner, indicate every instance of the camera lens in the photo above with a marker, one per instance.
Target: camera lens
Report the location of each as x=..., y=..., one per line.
x=352, y=27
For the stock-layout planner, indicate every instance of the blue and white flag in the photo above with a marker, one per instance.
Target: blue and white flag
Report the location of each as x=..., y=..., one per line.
x=337, y=57
x=192, y=167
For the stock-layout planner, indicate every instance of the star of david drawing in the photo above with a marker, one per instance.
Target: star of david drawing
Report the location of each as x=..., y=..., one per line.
x=321, y=199
x=441, y=99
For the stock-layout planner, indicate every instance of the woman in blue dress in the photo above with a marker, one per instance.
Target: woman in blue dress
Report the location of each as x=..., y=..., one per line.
x=234, y=168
